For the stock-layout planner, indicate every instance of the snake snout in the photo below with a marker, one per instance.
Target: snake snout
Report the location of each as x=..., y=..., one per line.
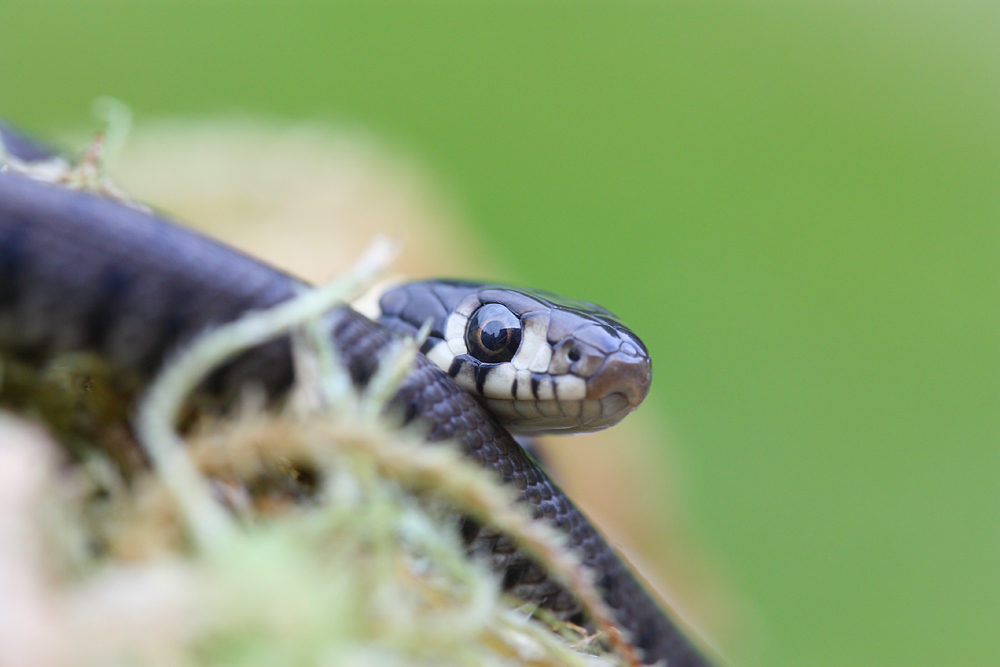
x=627, y=373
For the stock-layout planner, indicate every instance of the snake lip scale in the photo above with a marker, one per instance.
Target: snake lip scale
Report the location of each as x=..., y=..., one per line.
x=82, y=272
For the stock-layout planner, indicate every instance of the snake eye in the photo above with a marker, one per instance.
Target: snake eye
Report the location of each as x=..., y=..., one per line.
x=493, y=334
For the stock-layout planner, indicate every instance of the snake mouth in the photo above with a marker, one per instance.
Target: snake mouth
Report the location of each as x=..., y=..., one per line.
x=583, y=416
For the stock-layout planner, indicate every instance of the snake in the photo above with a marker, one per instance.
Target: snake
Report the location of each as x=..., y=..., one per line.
x=83, y=272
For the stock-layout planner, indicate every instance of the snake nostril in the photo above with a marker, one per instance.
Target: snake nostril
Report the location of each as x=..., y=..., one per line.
x=573, y=354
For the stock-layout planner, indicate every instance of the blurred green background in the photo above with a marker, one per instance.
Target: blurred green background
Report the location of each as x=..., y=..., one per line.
x=796, y=205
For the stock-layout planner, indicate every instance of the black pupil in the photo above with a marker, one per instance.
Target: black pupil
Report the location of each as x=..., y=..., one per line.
x=494, y=334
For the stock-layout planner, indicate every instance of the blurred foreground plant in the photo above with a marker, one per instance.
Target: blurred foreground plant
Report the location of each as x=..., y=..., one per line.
x=324, y=535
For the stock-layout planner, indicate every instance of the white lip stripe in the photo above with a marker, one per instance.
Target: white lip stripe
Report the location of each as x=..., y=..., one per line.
x=499, y=382
x=546, y=390
x=455, y=327
x=524, y=386
x=457, y=346
x=534, y=328
x=536, y=324
x=543, y=355
x=530, y=343
x=441, y=355
x=467, y=377
x=570, y=388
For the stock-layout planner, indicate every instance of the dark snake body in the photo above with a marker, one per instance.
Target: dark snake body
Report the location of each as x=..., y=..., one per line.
x=81, y=272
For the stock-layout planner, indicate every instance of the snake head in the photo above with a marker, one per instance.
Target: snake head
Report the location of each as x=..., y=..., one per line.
x=540, y=363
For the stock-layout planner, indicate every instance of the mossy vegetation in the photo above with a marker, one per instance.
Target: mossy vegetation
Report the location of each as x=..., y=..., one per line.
x=322, y=534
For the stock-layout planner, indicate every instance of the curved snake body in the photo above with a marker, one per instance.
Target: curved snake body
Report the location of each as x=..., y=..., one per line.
x=80, y=272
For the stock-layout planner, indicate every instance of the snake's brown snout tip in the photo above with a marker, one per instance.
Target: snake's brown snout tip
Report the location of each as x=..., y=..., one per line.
x=639, y=376
x=626, y=374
